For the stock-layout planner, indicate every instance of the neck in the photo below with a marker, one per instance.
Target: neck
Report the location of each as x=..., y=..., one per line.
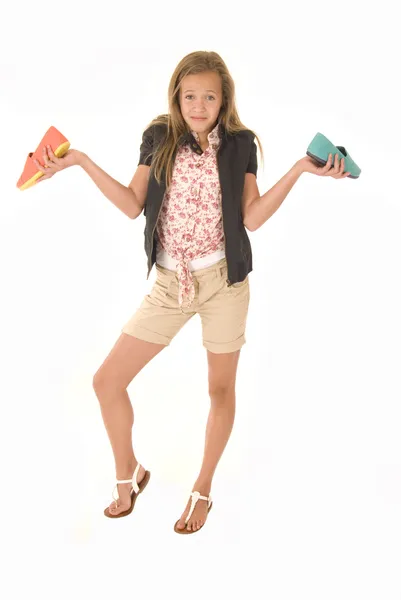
x=203, y=137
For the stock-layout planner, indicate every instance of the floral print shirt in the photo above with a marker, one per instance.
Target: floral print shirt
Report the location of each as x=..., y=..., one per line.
x=190, y=223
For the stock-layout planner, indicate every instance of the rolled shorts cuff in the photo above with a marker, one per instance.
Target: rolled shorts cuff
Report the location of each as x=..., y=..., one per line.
x=218, y=348
x=146, y=335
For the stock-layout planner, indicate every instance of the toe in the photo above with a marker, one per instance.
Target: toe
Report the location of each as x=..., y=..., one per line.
x=116, y=510
x=181, y=524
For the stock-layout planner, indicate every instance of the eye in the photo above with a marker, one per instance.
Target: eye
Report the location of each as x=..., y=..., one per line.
x=191, y=96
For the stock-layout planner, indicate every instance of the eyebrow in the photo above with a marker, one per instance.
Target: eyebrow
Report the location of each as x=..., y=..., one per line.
x=195, y=91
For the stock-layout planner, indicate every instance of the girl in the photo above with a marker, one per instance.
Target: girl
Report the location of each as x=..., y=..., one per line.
x=196, y=183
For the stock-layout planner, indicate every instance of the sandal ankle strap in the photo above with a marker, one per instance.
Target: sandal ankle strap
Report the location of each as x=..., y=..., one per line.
x=133, y=481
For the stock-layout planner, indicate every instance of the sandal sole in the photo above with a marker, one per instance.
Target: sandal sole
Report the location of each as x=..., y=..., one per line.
x=186, y=531
x=134, y=496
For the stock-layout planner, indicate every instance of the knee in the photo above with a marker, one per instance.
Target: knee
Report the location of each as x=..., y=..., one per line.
x=100, y=382
x=222, y=393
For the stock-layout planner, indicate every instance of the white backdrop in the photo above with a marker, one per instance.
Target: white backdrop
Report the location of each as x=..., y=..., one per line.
x=307, y=495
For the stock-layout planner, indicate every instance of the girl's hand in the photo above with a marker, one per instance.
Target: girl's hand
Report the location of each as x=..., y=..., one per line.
x=52, y=164
x=308, y=165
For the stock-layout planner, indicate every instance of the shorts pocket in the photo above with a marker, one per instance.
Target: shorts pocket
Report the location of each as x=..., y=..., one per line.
x=239, y=284
x=236, y=289
x=165, y=284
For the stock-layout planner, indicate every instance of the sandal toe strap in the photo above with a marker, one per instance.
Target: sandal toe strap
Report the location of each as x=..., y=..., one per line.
x=195, y=496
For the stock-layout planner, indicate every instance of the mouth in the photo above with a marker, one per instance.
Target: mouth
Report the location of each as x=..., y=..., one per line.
x=198, y=118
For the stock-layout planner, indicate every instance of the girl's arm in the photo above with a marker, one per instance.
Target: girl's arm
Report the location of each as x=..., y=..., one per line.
x=257, y=209
x=129, y=199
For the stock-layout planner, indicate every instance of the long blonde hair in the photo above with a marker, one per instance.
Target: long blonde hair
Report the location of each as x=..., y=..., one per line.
x=195, y=62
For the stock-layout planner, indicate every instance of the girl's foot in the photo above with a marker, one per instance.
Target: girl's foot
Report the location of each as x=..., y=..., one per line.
x=199, y=515
x=124, y=489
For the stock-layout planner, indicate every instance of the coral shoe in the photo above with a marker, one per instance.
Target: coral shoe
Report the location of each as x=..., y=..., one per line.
x=58, y=143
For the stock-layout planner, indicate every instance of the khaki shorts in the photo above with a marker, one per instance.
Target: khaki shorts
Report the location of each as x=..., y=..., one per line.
x=223, y=309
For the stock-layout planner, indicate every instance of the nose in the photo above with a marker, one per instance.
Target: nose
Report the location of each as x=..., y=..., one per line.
x=199, y=105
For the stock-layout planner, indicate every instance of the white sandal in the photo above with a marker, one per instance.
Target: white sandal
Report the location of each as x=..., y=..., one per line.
x=195, y=496
x=136, y=490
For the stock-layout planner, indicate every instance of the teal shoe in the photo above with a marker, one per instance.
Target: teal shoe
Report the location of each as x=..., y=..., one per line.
x=320, y=148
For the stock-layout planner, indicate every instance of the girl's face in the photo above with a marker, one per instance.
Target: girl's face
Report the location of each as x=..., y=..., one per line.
x=201, y=98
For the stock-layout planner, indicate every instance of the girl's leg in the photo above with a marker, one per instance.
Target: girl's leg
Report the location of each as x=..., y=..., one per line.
x=222, y=377
x=126, y=359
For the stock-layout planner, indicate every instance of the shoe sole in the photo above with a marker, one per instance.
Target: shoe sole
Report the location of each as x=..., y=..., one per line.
x=185, y=531
x=59, y=153
x=323, y=162
x=134, y=496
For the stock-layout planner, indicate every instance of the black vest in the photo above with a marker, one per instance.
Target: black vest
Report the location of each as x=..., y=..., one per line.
x=236, y=155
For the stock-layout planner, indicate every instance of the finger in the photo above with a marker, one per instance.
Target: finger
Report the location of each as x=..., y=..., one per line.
x=327, y=166
x=39, y=165
x=45, y=169
x=52, y=156
x=322, y=170
x=43, y=177
x=46, y=159
x=335, y=165
x=340, y=175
